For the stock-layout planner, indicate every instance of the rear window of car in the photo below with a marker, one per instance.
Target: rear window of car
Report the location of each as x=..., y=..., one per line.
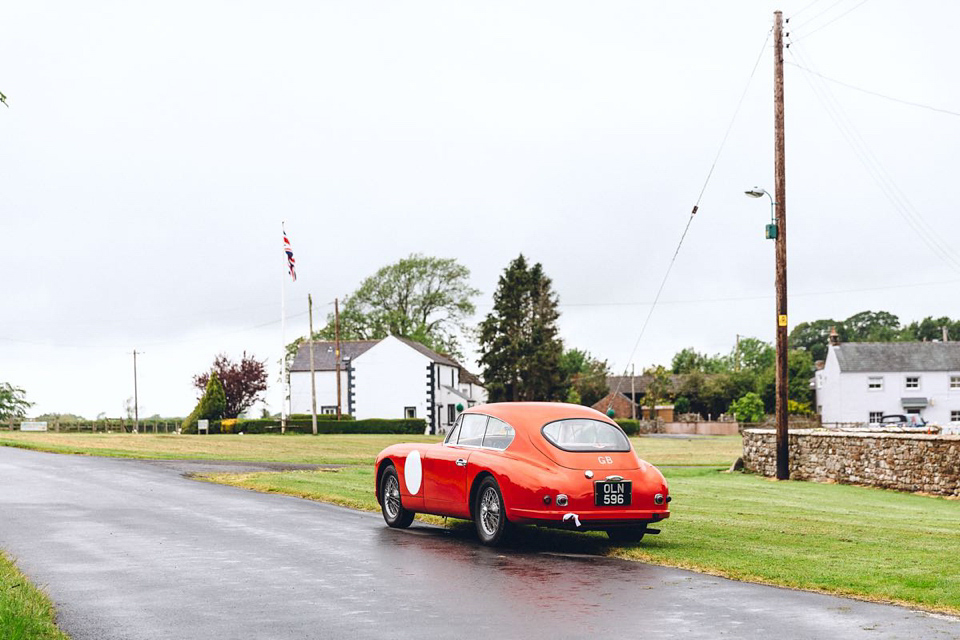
x=584, y=434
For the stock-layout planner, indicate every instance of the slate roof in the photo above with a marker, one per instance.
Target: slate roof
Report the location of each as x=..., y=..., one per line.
x=323, y=354
x=469, y=378
x=641, y=383
x=430, y=353
x=898, y=356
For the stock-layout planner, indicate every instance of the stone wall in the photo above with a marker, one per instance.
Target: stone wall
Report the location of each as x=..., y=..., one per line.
x=905, y=462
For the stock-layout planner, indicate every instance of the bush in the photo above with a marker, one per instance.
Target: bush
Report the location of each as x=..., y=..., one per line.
x=749, y=408
x=681, y=405
x=320, y=416
x=630, y=427
x=373, y=425
x=210, y=407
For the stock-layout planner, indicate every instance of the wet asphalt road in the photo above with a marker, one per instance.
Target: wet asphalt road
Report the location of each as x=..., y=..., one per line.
x=131, y=549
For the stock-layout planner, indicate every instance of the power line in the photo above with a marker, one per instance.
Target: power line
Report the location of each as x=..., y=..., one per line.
x=810, y=4
x=736, y=111
x=816, y=15
x=696, y=206
x=875, y=93
x=827, y=24
x=875, y=169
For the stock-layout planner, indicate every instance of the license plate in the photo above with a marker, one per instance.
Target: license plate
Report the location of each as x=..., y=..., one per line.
x=611, y=493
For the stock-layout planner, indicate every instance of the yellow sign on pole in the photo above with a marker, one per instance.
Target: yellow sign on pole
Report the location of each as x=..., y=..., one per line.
x=782, y=320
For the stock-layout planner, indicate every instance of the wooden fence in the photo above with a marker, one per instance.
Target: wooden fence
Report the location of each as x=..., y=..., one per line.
x=106, y=425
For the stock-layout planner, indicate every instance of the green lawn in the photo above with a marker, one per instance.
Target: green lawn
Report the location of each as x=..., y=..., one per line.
x=323, y=449
x=25, y=612
x=839, y=539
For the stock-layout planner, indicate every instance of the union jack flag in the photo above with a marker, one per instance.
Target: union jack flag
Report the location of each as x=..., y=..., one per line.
x=291, y=263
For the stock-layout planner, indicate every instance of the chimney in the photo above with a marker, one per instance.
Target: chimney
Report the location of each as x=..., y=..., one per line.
x=946, y=333
x=834, y=337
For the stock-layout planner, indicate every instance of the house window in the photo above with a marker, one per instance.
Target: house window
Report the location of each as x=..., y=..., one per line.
x=875, y=383
x=875, y=416
x=913, y=412
x=327, y=411
x=912, y=382
x=955, y=416
x=451, y=413
x=409, y=413
x=955, y=382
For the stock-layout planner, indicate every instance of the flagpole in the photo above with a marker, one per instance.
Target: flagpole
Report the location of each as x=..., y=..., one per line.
x=283, y=335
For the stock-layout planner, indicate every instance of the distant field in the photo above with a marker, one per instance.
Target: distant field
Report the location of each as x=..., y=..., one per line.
x=323, y=449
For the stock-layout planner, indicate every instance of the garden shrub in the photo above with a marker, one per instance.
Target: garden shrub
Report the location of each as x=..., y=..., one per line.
x=373, y=425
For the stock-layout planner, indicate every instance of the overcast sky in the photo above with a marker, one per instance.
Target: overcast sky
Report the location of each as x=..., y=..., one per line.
x=151, y=151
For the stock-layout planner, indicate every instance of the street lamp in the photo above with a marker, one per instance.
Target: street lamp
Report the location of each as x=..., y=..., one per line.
x=771, y=229
x=777, y=233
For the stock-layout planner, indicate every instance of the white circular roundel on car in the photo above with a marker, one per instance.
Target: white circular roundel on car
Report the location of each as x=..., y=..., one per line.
x=413, y=472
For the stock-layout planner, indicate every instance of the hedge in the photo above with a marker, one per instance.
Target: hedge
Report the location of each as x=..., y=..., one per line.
x=320, y=416
x=373, y=425
x=630, y=427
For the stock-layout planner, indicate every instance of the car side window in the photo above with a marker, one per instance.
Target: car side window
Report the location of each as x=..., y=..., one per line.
x=499, y=434
x=454, y=433
x=471, y=429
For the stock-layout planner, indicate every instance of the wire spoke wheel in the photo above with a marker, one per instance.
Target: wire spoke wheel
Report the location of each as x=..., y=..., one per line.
x=490, y=511
x=391, y=503
x=391, y=497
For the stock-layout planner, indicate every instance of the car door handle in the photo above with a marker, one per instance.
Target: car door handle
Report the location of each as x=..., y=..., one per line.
x=461, y=462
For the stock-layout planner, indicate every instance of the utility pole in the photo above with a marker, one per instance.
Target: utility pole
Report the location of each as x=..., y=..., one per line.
x=336, y=353
x=313, y=377
x=780, y=178
x=736, y=356
x=633, y=392
x=136, y=399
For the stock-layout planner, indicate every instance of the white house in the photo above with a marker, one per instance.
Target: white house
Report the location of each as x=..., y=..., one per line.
x=861, y=381
x=388, y=378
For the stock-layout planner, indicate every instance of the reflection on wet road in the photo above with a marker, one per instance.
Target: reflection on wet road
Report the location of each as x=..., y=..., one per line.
x=134, y=550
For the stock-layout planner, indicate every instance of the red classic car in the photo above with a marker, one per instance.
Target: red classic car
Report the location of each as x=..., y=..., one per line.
x=543, y=463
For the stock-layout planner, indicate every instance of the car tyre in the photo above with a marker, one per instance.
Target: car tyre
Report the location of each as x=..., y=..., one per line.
x=394, y=513
x=626, y=534
x=489, y=514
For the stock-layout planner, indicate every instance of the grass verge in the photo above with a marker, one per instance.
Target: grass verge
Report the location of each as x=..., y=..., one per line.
x=25, y=612
x=845, y=540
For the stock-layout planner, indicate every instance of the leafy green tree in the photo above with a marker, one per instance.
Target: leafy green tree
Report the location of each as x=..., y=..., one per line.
x=686, y=360
x=658, y=391
x=420, y=297
x=243, y=383
x=813, y=337
x=13, y=402
x=519, y=343
x=689, y=360
x=586, y=375
x=871, y=326
x=799, y=371
x=681, y=405
x=748, y=408
x=756, y=355
x=211, y=405
x=930, y=329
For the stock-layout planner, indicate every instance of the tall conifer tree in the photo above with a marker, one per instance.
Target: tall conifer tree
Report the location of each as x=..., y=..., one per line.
x=521, y=351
